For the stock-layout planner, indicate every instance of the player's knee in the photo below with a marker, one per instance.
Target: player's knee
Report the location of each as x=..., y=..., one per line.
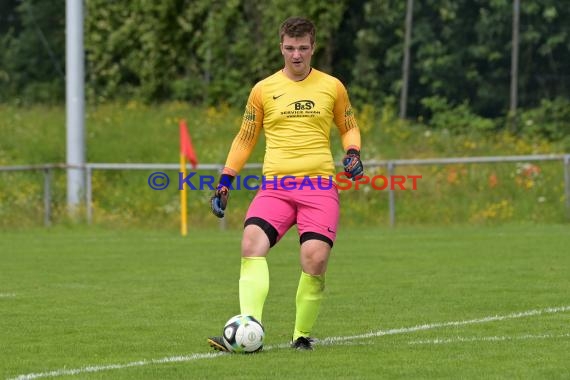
x=252, y=248
x=314, y=256
x=315, y=266
x=255, y=241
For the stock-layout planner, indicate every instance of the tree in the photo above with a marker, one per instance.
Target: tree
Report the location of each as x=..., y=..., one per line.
x=199, y=50
x=32, y=51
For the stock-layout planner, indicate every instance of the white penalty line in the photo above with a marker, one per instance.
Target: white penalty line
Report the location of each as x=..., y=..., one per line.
x=99, y=368
x=460, y=339
x=325, y=341
x=405, y=330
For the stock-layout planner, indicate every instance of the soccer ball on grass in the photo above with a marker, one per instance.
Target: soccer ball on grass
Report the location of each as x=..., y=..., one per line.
x=244, y=334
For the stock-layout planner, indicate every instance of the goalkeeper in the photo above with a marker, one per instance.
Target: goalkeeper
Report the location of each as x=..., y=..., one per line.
x=296, y=108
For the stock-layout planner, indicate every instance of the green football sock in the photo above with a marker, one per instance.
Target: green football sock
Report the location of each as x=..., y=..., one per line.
x=309, y=297
x=253, y=286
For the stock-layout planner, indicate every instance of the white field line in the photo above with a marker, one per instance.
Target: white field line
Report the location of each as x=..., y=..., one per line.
x=7, y=295
x=405, y=330
x=325, y=341
x=460, y=339
x=99, y=368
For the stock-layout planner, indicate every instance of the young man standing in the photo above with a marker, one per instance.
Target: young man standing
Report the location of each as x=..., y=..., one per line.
x=295, y=107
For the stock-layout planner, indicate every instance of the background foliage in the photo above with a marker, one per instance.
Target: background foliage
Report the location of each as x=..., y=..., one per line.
x=204, y=51
x=148, y=64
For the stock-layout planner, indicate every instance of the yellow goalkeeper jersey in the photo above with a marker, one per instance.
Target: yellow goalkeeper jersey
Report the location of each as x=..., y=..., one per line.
x=296, y=117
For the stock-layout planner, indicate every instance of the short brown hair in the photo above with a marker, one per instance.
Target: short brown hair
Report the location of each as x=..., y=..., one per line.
x=297, y=27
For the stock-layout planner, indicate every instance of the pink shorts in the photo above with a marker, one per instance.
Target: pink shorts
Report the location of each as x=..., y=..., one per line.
x=314, y=209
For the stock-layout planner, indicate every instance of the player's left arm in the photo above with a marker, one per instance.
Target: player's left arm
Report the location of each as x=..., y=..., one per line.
x=350, y=134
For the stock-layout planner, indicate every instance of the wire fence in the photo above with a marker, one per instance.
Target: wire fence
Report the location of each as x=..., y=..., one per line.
x=378, y=168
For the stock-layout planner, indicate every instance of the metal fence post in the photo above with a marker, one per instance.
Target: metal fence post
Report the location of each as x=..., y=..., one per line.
x=88, y=193
x=47, y=197
x=567, y=184
x=391, y=195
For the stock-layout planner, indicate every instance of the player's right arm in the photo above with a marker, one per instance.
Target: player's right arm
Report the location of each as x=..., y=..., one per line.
x=349, y=133
x=248, y=134
x=240, y=150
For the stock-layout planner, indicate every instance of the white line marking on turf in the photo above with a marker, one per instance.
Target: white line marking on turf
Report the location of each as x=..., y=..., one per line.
x=460, y=339
x=405, y=330
x=99, y=368
x=325, y=341
x=7, y=295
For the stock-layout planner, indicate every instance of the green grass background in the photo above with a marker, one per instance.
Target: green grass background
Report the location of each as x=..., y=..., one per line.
x=78, y=297
x=129, y=288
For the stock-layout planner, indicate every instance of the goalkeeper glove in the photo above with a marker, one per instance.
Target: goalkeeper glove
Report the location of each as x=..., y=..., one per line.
x=352, y=164
x=219, y=200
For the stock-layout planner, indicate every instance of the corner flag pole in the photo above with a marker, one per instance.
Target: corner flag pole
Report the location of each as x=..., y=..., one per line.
x=186, y=152
x=183, y=203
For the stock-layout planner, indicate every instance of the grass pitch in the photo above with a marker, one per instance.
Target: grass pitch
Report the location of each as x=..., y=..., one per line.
x=454, y=302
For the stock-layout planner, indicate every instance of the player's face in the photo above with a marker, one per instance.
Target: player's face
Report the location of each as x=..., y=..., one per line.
x=297, y=53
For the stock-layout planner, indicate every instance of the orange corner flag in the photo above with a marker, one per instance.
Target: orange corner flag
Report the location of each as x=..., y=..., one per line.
x=186, y=148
